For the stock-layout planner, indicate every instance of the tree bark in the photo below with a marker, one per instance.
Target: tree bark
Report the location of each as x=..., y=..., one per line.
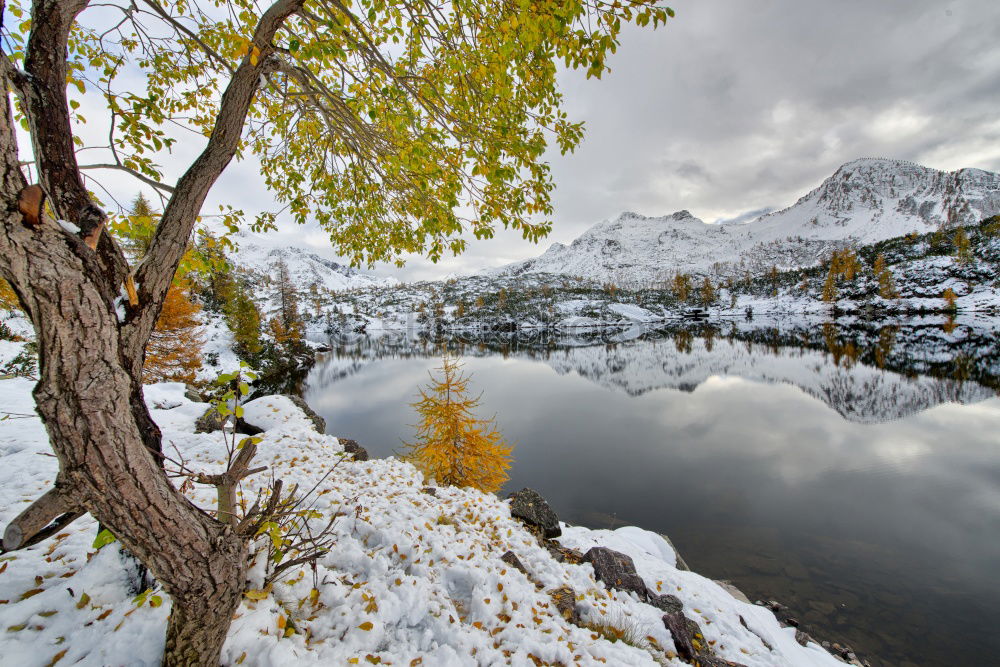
x=89, y=394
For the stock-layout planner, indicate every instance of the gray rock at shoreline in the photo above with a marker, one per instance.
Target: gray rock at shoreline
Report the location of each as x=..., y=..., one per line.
x=301, y=404
x=529, y=506
x=355, y=450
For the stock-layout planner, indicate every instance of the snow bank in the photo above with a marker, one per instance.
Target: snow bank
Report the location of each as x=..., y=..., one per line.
x=413, y=578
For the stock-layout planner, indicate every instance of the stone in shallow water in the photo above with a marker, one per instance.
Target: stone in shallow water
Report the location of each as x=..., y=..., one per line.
x=529, y=506
x=616, y=570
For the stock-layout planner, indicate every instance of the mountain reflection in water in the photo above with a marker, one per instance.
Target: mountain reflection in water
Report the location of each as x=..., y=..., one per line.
x=852, y=473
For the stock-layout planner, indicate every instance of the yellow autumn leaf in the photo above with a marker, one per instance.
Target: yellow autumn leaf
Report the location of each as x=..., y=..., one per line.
x=366, y=626
x=255, y=594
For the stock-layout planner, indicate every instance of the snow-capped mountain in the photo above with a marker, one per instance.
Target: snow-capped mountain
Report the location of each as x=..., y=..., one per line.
x=864, y=201
x=305, y=268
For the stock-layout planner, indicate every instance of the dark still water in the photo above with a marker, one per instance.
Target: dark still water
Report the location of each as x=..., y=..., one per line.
x=854, y=480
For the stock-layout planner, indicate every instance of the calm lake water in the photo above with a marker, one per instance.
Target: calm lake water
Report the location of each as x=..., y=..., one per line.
x=856, y=482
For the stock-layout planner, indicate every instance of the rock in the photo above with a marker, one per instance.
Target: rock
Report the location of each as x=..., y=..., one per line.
x=732, y=590
x=192, y=394
x=616, y=570
x=685, y=633
x=528, y=506
x=563, y=554
x=511, y=559
x=429, y=490
x=714, y=661
x=681, y=564
x=209, y=422
x=354, y=449
x=668, y=603
x=565, y=600
x=792, y=621
x=802, y=637
x=690, y=644
x=300, y=403
x=244, y=427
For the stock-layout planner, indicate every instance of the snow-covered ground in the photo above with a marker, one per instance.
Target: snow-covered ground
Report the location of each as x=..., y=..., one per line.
x=413, y=578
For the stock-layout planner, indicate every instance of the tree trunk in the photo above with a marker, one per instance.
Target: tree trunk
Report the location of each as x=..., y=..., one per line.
x=89, y=393
x=90, y=399
x=85, y=397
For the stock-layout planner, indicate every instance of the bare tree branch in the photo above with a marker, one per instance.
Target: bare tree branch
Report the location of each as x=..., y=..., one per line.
x=142, y=177
x=35, y=519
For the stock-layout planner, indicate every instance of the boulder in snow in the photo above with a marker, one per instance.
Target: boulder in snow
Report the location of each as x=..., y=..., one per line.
x=668, y=603
x=209, y=422
x=529, y=506
x=616, y=570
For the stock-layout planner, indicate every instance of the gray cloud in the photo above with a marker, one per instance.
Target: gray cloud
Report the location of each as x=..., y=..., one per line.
x=766, y=99
x=737, y=106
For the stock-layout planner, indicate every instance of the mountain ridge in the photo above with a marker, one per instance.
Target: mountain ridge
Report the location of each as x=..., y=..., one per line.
x=863, y=201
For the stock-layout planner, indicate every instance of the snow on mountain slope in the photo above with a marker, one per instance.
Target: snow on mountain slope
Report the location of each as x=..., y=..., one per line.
x=864, y=201
x=260, y=254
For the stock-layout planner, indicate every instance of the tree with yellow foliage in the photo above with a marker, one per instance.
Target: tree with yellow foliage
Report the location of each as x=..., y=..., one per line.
x=843, y=263
x=681, y=286
x=8, y=300
x=963, y=248
x=886, y=283
x=174, y=350
x=707, y=292
x=950, y=298
x=173, y=353
x=453, y=445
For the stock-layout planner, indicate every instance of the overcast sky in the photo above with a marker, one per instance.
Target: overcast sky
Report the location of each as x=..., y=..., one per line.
x=740, y=106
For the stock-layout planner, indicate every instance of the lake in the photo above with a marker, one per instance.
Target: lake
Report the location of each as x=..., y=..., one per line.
x=850, y=472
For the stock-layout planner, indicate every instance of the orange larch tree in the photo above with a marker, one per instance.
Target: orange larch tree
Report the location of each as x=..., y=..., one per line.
x=453, y=445
x=174, y=350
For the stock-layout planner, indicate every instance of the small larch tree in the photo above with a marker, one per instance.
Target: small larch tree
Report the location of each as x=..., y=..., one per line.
x=681, y=286
x=174, y=350
x=398, y=127
x=963, y=247
x=453, y=445
x=886, y=283
x=286, y=322
x=707, y=292
x=950, y=299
